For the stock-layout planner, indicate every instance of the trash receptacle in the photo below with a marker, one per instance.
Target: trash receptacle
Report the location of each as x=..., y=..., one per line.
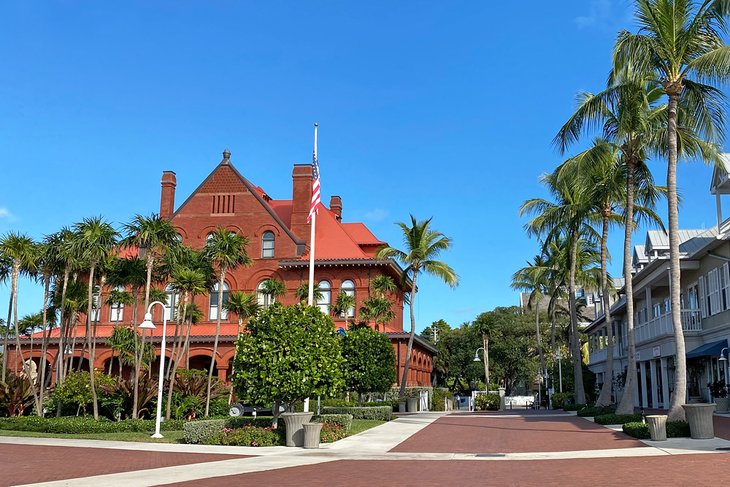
x=657, y=426
x=311, y=434
x=412, y=404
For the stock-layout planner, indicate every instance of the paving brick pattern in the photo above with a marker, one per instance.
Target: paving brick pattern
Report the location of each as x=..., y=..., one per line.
x=529, y=433
x=22, y=464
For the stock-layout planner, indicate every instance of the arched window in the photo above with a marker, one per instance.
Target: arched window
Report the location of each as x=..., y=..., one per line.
x=348, y=287
x=172, y=302
x=209, y=237
x=264, y=299
x=213, y=313
x=96, y=309
x=324, y=302
x=267, y=245
x=116, y=312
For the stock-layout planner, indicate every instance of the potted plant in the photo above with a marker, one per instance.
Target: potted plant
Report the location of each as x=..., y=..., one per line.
x=719, y=395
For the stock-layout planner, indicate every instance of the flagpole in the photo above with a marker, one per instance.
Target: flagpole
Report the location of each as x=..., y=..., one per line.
x=310, y=298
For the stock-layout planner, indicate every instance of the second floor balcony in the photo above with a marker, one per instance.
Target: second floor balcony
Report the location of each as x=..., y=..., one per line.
x=661, y=326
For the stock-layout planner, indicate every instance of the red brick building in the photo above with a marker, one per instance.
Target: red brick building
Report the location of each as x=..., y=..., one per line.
x=279, y=243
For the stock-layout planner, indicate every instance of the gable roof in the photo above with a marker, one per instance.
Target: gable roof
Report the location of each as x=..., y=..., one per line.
x=227, y=174
x=720, y=181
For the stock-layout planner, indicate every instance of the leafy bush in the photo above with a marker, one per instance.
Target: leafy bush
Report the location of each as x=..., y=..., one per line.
x=369, y=360
x=15, y=394
x=331, y=432
x=382, y=413
x=675, y=429
x=592, y=411
x=617, y=418
x=197, y=432
x=248, y=436
x=637, y=429
x=344, y=420
x=437, y=398
x=487, y=402
x=74, y=394
x=561, y=399
x=83, y=425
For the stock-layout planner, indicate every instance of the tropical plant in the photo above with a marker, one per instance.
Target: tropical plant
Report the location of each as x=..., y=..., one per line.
x=680, y=46
x=302, y=292
x=343, y=304
x=16, y=394
x=273, y=288
x=422, y=247
x=276, y=362
x=226, y=250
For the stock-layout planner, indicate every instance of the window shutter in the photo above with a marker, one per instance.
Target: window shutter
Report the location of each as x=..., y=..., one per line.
x=703, y=301
x=726, y=284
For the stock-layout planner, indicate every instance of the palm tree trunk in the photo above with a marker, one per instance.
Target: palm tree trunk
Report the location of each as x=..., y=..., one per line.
x=46, y=338
x=90, y=339
x=485, y=359
x=626, y=406
x=543, y=369
x=580, y=394
x=221, y=283
x=676, y=412
x=604, y=398
x=18, y=351
x=137, y=358
x=171, y=387
x=5, y=337
x=409, y=350
x=60, y=361
x=233, y=361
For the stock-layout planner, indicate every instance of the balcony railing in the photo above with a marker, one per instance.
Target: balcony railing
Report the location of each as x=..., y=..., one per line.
x=662, y=325
x=602, y=354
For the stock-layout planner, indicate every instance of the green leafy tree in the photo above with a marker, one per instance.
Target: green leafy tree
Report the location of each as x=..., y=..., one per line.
x=369, y=361
x=273, y=288
x=422, y=246
x=226, y=250
x=244, y=306
x=289, y=353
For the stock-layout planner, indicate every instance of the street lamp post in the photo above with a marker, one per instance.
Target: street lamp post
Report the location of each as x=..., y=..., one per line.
x=148, y=325
x=486, y=366
x=560, y=371
x=723, y=358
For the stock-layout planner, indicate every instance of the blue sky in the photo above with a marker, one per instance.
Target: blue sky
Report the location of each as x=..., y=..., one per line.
x=440, y=109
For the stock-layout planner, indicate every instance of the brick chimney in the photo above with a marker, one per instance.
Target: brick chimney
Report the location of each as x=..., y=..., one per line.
x=167, y=195
x=336, y=207
x=301, y=199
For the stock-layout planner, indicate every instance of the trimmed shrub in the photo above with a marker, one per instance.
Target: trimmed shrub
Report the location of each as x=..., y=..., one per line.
x=592, y=411
x=637, y=430
x=344, y=420
x=617, y=418
x=437, y=399
x=331, y=432
x=248, y=436
x=487, y=402
x=84, y=425
x=382, y=413
x=677, y=429
x=204, y=431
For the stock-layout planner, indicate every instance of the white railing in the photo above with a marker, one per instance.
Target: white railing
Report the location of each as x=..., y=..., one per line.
x=662, y=325
x=601, y=355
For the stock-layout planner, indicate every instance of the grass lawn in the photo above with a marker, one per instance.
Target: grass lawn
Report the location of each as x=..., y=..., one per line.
x=170, y=436
x=360, y=425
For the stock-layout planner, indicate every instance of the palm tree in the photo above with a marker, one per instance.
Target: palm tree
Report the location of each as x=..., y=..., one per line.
x=244, y=306
x=273, y=288
x=22, y=251
x=680, y=45
x=94, y=241
x=71, y=263
x=566, y=217
x=422, y=246
x=343, y=304
x=302, y=292
x=227, y=251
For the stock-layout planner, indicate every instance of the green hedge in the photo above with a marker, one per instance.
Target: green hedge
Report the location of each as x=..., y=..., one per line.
x=675, y=429
x=381, y=413
x=573, y=407
x=561, y=399
x=84, y=425
x=617, y=418
x=487, y=402
x=592, y=411
x=204, y=431
x=343, y=420
x=248, y=436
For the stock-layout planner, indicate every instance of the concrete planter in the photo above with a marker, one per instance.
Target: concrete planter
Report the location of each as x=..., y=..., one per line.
x=294, y=423
x=311, y=435
x=699, y=417
x=723, y=404
x=401, y=406
x=412, y=404
x=657, y=426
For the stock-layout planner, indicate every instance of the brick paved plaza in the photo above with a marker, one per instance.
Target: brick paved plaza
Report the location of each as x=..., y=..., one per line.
x=425, y=449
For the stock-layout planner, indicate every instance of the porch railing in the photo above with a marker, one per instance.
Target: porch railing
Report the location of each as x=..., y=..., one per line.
x=662, y=325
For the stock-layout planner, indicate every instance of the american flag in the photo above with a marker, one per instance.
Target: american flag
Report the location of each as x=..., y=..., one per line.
x=315, y=190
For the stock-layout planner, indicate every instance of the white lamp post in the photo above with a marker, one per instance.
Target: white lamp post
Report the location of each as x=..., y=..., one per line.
x=723, y=358
x=148, y=325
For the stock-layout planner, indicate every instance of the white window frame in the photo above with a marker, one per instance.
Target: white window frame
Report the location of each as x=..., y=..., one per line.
x=350, y=291
x=725, y=286
x=213, y=307
x=172, y=301
x=268, y=245
x=116, y=310
x=95, y=308
x=324, y=302
x=263, y=299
